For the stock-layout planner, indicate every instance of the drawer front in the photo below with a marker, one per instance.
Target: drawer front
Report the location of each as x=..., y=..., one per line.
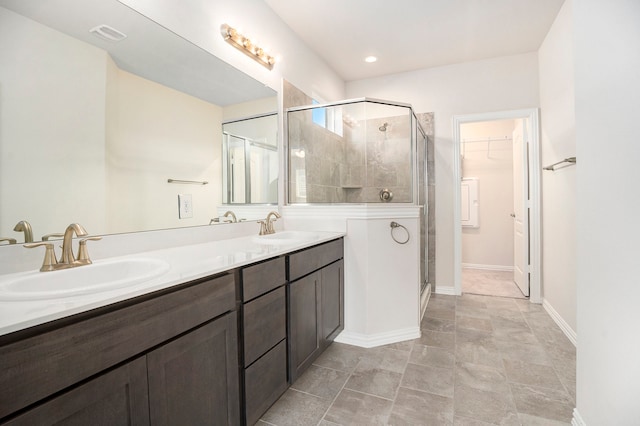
x=38, y=366
x=314, y=258
x=265, y=382
x=265, y=324
x=263, y=277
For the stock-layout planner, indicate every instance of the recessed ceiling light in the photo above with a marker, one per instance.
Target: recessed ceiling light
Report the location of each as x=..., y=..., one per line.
x=370, y=59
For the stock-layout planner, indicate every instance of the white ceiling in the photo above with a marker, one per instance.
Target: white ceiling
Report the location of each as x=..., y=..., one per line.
x=407, y=35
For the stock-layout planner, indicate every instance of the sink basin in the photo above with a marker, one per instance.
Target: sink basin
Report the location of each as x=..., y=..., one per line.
x=287, y=237
x=83, y=280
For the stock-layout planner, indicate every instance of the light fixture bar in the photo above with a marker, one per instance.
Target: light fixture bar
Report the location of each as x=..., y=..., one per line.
x=244, y=44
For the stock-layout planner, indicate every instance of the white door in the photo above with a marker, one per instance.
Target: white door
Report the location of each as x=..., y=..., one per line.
x=520, y=208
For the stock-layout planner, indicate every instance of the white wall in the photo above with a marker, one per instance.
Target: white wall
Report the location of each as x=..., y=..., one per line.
x=558, y=141
x=607, y=87
x=40, y=70
x=200, y=21
x=491, y=244
x=499, y=84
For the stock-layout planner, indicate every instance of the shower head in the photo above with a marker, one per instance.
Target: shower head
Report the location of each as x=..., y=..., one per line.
x=383, y=128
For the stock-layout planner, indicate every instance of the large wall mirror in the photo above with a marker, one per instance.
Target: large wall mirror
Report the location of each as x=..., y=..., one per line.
x=92, y=129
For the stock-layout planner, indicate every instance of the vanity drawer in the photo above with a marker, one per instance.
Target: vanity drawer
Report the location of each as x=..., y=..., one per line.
x=263, y=277
x=265, y=382
x=265, y=324
x=306, y=261
x=49, y=361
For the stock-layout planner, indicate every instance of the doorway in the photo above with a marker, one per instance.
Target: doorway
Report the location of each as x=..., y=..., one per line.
x=500, y=242
x=493, y=172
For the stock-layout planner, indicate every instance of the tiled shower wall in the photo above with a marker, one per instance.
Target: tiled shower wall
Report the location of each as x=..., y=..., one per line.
x=342, y=168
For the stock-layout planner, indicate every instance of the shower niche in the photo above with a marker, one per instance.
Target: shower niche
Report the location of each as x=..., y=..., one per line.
x=358, y=151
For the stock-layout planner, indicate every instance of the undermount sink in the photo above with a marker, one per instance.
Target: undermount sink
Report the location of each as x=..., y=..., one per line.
x=88, y=279
x=286, y=237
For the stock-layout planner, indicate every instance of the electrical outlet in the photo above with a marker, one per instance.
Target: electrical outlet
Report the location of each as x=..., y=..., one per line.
x=185, y=206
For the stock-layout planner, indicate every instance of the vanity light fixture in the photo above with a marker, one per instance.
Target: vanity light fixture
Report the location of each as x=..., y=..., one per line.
x=370, y=59
x=240, y=42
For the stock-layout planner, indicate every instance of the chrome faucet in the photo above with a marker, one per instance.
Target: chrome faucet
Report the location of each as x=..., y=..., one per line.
x=266, y=226
x=24, y=226
x=234, y=219
x=68, y=260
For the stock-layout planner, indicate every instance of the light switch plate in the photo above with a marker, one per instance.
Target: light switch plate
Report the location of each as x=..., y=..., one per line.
x=185, y=206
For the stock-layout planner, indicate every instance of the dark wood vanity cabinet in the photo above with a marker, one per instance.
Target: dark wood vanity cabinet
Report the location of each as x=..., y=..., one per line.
x=316, y=303
x=264, y=325
x=168, y=358
x=215, y=351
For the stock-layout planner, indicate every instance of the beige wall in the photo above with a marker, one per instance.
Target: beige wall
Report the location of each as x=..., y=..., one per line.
x=159, y=133
x=491, y=244
x=499, y=84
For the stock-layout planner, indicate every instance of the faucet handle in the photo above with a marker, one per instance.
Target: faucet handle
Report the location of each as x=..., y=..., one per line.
x=49, y=262
x=47, y=237
x=9, y=240
x=83, y=254
x=264, y=230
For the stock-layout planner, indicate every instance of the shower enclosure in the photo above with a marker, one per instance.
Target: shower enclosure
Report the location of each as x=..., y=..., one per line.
x=361, y=151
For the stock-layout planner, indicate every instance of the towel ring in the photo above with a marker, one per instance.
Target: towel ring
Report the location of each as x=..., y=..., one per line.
x=395, y=225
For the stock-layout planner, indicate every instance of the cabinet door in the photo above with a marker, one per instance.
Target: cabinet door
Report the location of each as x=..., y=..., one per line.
x=304, y=325
x=332, y=309
x=118, y=397
x=193, y=380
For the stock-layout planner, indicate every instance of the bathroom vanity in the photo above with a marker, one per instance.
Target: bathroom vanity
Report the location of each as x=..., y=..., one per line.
x=217, y=349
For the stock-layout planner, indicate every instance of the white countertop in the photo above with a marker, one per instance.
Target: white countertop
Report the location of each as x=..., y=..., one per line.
x=185, y=263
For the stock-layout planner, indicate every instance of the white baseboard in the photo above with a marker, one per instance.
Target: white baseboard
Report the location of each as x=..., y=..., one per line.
x=424, y=300
x=487, y=267
x=444, y=289
x=566, y=329
x=577, y=420
x=373, y=340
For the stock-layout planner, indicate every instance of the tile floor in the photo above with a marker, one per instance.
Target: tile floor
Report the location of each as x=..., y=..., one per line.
x=489, y=283
x=481, y=360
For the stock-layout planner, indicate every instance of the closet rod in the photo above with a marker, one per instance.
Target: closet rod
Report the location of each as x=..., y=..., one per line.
x=570, y=160
x=506, y=138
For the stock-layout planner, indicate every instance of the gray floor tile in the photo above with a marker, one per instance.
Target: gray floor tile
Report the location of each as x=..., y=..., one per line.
x=432, y=356
x=442, y=313
x=471, y=323
x=543, y=402
x=481, y=377
x=484, y=353
x=296, y=408
x=437, y=339
x=437, y=324
x=339, y=356
x=414, y=407
x=385, y=358
x=529, y=420
x=490, y=407
x=480, y=360
x=374, y=381
x=355, y=408
x=527, y=373
x=434, y=380
x=465, y=421
x=323, y=382
x=518, y=351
